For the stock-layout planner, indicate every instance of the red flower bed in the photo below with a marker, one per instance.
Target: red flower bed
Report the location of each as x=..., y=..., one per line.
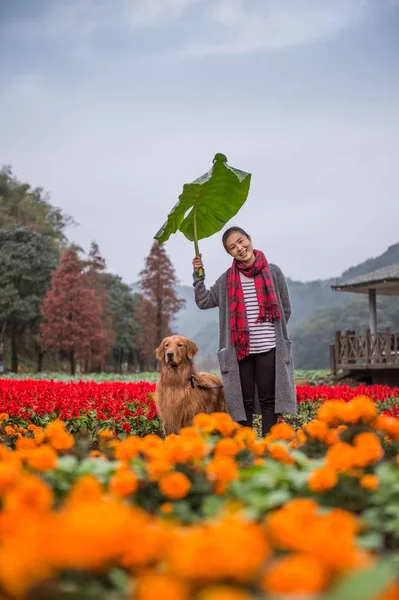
x=118, y=405
x=378, y=393
x=129, y=407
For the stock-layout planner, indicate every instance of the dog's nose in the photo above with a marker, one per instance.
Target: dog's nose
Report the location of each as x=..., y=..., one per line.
x=169, y=354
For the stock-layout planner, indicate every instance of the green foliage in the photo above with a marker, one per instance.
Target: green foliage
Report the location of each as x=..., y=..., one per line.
x=24, y=206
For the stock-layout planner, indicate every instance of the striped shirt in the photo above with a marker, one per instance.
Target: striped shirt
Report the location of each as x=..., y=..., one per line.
x=262, y=336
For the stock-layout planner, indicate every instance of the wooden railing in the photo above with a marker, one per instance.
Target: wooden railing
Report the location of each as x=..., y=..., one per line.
x=353, y=351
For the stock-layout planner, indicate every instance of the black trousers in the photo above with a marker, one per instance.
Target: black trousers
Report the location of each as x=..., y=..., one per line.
x=259, y=369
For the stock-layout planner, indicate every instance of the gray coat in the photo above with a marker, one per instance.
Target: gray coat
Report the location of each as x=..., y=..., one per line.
x=216, y=296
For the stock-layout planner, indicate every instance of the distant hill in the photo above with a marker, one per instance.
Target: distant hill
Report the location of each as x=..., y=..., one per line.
x=318, y=312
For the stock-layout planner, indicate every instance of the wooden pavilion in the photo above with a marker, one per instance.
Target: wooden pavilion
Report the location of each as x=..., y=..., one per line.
x=372, y=356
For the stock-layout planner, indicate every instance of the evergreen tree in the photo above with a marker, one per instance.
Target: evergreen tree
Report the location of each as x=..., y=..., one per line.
x=27, y=261
x=72, y=315
x=160, y=304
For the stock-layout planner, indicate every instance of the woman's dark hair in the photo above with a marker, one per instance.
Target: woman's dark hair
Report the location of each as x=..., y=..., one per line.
x=231, y=230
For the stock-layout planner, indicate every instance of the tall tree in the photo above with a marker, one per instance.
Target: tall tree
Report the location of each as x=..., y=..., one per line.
x=27, y=260
x=123, y=304
x=95, y=271
x=160, y=300
x=72, y=314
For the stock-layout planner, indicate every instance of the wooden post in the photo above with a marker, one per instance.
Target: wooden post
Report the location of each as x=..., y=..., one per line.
x=347, y=333
x=373, y=310
x=333, y=366
x=367, y=346
x=388, y=341
x=337, y=349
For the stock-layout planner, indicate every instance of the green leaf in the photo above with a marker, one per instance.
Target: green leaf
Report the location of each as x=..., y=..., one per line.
x=364, y=585
x=214, y=198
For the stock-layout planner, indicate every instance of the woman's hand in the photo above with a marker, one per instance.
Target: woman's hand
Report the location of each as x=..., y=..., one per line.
x=197, y=263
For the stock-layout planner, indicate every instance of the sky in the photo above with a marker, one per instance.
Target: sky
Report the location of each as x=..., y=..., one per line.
x=111, y=106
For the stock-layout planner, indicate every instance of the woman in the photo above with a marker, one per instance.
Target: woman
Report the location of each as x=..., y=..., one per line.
x=255, y=352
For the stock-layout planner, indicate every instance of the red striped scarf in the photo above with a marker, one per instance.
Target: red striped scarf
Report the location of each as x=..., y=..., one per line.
x=269, y=307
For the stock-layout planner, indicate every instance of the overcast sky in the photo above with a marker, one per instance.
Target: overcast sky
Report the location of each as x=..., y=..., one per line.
x=112, y=105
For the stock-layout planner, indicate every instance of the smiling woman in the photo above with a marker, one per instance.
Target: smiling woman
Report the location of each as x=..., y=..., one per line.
x=255, y=352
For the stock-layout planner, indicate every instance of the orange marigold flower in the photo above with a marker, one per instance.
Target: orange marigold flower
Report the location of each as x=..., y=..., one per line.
x=223, y=592
x=150, y=445
x=281, y=453
x=299, y=440
x=4, y=416
x=226, y=447
x=174, y=485
x=245, y=436
x=158, y=467
x=42, y=459
x=31, y=493
x=156, y=586
x=106, y=434
x=331, y=412
x=85, y=489
x=10, y=430
x=370, y=482
x=9, y=474
x=25, y=444
x=369, y=449
x=323, y=479
x=204, y=422
x=388, y=425
x=317, y=429
x=184, y=448
x=123, y=483
x=341, y=456
x=225, y=424
x=39, y=435
x=222, y=469
x=58, y=437
x=282, y=431
x=297, y=574
x=128, y=448
x=210, y=551
x=360, y=409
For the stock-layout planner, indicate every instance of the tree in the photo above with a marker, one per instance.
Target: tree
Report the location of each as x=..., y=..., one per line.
x=72, y=314
x=27, y=261
x=160, y=302
x=22, y=205
x=123, y=304
x=96, y=277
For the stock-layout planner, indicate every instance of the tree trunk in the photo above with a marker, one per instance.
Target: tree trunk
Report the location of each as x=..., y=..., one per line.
x=40, y=355
x=72, y=362
x=14, y=351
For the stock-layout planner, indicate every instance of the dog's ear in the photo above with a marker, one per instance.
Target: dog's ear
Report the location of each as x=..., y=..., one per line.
x=160, y=351
x=192, y=349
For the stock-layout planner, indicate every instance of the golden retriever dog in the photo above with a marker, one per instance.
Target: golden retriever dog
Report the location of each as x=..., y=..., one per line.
x=181, y=392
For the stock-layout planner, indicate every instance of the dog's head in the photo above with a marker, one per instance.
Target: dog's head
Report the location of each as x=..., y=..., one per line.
x=176, y=350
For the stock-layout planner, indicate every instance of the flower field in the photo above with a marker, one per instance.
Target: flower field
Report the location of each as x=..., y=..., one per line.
x=216, y=513
x=128, y=407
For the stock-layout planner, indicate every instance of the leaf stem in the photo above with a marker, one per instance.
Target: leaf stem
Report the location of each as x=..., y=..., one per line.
x=196, y=247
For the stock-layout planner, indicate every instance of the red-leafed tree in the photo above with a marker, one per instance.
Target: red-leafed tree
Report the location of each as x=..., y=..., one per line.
x=160, y=302
x=71, y=314
x=95, y=271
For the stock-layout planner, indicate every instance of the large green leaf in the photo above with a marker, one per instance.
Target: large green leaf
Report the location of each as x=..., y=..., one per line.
x=209, y=202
